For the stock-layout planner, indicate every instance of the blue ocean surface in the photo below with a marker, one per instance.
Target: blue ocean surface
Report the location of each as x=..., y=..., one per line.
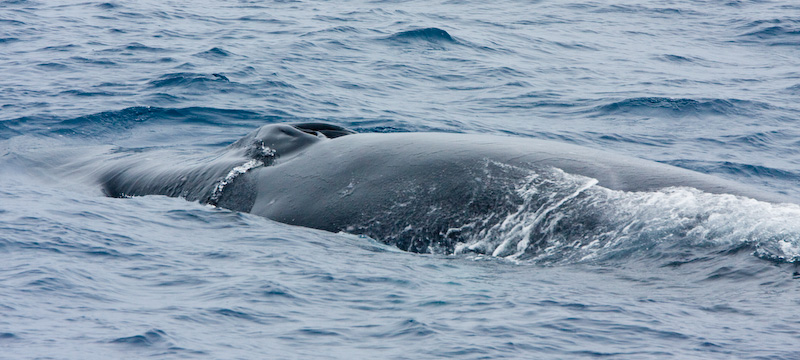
x=710, y=86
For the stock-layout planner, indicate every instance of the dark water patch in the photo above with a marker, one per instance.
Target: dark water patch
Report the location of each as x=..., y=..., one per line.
x=214, y=53
x=8, y=336
x=8, y=40
x=680, y=107
x=426, y=35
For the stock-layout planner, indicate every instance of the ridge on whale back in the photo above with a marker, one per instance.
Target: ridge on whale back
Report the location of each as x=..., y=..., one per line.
x=407, y=189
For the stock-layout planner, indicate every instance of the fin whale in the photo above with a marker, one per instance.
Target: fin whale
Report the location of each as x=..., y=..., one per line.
x=423, y=192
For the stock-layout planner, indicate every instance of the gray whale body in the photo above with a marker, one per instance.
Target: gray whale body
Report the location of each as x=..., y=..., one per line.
x=423, y=192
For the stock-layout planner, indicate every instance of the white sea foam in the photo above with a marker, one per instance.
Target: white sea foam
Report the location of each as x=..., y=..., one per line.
x=265, y=152
x=567, y=218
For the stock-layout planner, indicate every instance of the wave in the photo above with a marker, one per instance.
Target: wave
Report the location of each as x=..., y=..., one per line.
x=118, y=124
x=114, y=123
x=82, y=93
x=218, y=82
x=687, y=60
x=638, y=9
x=738, y=169
x=107, y=6
x=676, y=58
x=426, y=35
x=54, y=66
x=680, y=107
x=11, y=22
x=6, y=132
x=214, y=53
x=101, y=62
x=772, y=32
x=149, y=338
x=141, y=47
x=189, y=80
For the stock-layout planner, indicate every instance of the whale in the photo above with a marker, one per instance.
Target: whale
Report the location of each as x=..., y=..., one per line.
x=422, y=192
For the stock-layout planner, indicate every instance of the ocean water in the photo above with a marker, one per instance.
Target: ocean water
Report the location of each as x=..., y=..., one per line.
x=710, y=86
